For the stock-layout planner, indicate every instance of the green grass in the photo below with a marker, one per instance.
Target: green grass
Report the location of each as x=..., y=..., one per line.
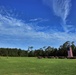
x=34, y=66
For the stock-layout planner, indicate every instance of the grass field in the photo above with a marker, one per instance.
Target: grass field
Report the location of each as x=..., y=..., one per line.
x=34, y=66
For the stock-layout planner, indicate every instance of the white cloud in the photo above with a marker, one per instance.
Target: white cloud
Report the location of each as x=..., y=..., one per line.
x=19, y=30
x=34, y=19
x=61, y=9
x=15, y=27
x=38, y=20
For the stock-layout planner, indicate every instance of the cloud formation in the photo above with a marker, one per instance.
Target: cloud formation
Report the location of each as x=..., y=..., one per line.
x=15, y=29
x=61, y=8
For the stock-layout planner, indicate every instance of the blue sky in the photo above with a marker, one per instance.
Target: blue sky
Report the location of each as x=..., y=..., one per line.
x=37, y=23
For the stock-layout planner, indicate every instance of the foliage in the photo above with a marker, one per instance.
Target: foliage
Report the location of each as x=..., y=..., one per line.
x=44, y=52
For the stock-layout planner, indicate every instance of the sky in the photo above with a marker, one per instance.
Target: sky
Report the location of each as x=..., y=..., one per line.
x=37, y=23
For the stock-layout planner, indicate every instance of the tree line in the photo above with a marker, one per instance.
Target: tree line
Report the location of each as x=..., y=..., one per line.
x=43, y=52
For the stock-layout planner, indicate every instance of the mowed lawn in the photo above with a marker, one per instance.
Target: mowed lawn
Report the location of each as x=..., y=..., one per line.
x=35, y=66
